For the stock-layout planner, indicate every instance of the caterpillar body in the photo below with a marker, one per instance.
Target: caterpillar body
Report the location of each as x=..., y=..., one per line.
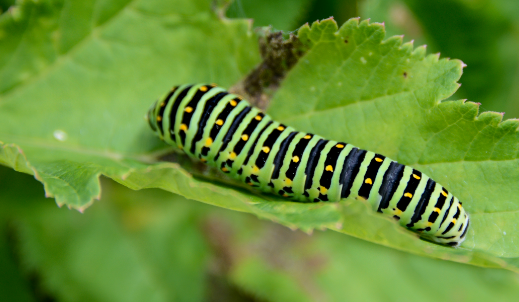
x=223, y=130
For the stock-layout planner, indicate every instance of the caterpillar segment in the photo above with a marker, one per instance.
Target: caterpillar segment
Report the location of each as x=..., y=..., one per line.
x=225, y=131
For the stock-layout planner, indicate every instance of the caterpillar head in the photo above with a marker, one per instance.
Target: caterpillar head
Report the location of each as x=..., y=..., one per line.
x=152, y=118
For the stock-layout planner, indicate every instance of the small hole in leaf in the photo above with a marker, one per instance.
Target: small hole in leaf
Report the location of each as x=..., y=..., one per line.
x=405, y=74
x=345, y=41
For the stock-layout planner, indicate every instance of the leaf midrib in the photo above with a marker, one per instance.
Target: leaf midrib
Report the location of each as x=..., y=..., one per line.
x=150, y=157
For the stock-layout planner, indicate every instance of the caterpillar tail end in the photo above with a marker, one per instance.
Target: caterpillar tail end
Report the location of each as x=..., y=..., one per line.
x=454, y=240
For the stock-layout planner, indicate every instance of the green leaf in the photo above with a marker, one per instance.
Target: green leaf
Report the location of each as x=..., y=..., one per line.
x=73, y=111
x=86, y=88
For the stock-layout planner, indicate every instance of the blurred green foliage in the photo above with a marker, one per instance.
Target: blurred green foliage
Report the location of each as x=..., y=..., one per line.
x=151, y=245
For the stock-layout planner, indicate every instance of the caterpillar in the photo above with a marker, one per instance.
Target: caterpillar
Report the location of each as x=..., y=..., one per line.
x=223, y=130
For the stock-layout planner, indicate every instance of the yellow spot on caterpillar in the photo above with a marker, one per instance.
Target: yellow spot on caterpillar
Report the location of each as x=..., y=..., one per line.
x=437, y=210
x=378, y=159
x=285, y=195
x=329, y=168
x=208, y=142
x=203, y=160
x=398, y=212
x=203, y=88
x=255, y=169
x=250, y=183
x=233, y=103
x=258, y=117
x=368, y=181
x=454, y=220
x=265, y=149
x=232, y=155
x=429, y=223
x=159, y=118
x=219, y=122
x=281, y=128
x=408, y=195
x=416, y=176
x=361, y=198
x=288, y=181
x=183, y=127
x=308, y=136
x=162, y=104
x=188, y=109
x=444, y=193
x=224, y=169
x=323, y=190
x=295, y=159
x=459, y=206
x=245, y=137
x=340, y=146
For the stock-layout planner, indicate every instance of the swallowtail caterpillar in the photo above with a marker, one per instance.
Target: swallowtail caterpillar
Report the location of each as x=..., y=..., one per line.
x=224, y=131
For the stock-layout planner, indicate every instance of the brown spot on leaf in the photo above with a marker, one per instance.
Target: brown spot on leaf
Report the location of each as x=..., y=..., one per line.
x=279, y=55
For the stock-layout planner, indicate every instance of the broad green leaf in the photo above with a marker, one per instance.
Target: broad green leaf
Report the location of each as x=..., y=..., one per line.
x=74, y=112
x=86, y=88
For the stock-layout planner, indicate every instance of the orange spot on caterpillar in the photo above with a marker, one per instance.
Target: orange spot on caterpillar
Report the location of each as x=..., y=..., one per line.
x=323, y=190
